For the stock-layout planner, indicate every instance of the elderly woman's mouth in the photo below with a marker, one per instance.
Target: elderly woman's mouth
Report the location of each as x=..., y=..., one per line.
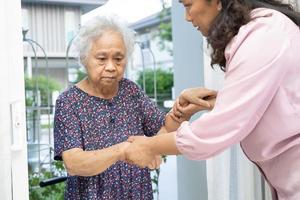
x=108, y=78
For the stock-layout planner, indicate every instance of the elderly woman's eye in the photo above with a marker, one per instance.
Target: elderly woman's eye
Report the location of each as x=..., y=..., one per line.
x=101, y=58
x=119, y=59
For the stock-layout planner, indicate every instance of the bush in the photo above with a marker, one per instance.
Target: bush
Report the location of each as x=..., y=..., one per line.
x=52, y=192
x=42, y=85
x=80, y=75
x=164, y=84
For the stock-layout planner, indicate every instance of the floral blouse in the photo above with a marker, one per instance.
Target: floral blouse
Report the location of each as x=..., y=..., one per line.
x=91, y=123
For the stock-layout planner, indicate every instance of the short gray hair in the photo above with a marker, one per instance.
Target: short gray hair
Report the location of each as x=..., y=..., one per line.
x=94, y=29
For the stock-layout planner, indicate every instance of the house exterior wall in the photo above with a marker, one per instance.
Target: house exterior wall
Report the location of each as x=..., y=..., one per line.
x=47, y=24
x=52, y=26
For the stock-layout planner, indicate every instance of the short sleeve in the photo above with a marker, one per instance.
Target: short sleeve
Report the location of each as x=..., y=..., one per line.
x=255, y=70
x=153, y=117
x=67, y=129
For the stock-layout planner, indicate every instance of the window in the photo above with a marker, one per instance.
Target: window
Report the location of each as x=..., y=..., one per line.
x=71, y=25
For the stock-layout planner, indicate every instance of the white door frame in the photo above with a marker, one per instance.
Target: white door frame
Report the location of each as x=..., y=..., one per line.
x=13, y=148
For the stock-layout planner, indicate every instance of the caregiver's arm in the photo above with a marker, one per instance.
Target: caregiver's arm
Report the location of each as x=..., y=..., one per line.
x=144, y=149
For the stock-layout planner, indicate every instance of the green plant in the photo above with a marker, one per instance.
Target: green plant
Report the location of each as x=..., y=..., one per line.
x=80, y=75
x=46, y=126
x=52, y=192
x=155, y=177
x=43, y=85
x=164, y=84
x=164, y=33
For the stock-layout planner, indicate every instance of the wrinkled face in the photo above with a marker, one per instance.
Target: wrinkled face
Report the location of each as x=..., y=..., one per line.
x=106, y=61
x=201, y=13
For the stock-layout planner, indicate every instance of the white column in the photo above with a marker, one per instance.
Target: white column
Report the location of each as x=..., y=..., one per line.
x=13, y=153
x=29, y=67
x=188, y=72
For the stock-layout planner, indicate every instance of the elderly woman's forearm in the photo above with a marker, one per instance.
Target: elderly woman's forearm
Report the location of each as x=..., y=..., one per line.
x=171, y=124
x=90, y=163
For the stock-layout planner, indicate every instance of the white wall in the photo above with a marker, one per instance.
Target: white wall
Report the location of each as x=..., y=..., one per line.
x=168, y=180
x=13, y=154
x=188, y=72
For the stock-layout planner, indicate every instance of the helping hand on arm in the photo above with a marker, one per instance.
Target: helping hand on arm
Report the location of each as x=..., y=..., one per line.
x=143, y=150
x=171, y=124
x=197, y=96
x=191, y=101
x=89, y=163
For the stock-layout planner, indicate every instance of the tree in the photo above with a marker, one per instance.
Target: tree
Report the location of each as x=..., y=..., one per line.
x=165, y=30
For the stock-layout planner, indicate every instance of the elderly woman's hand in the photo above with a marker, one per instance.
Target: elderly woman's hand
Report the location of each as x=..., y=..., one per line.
x=121, y=150
x=192, y=100
x=139, y=152
x=155, y=164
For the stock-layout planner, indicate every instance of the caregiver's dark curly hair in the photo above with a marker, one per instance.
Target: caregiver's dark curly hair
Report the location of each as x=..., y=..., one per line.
x=234, y=14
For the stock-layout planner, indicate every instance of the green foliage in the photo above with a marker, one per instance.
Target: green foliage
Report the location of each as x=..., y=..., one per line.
x=165, y=28
x=52, y=192
x=155, y=177
x=165, y=31
x=80, y=75
x=154, y=180
x=164, y=84
x=164, y=81
x=41, y=83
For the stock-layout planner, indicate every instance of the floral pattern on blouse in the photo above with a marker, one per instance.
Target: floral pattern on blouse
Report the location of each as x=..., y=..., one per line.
x=91, y=123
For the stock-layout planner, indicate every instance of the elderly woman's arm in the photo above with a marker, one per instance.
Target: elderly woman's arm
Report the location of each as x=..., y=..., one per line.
x=172, y=122
x=89, y=163
x=190, y=101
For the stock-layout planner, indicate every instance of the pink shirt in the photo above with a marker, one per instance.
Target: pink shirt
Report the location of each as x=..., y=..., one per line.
x=259, y=104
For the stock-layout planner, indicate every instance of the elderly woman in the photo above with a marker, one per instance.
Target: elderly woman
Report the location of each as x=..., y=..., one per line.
x=95, y=117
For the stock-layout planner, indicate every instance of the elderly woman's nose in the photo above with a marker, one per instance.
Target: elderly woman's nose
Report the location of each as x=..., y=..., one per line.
x=110, y=65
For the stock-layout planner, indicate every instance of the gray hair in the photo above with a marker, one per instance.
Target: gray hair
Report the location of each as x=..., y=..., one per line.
x=94, y=29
